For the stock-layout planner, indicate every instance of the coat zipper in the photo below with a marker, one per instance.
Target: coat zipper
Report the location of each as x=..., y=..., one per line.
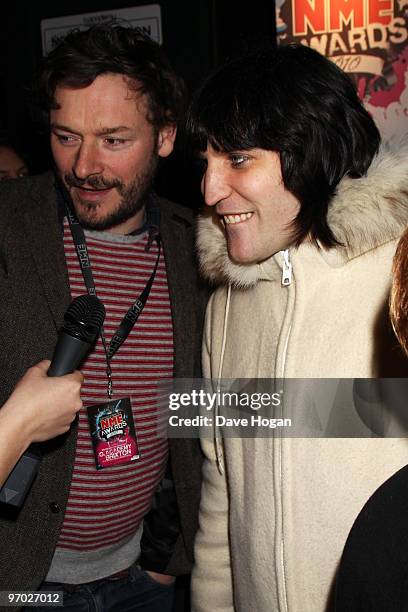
x=286, y=281
x=286, y=269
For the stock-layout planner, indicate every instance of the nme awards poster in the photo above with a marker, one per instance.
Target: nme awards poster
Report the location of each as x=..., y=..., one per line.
x=367, y=39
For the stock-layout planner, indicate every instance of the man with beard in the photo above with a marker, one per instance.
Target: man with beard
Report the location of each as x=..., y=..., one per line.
x=96, y=226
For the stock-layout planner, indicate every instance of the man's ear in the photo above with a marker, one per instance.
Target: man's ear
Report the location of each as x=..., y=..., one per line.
x=165, y=140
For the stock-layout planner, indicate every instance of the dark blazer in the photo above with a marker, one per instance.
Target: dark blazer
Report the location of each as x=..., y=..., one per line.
x=34, y=294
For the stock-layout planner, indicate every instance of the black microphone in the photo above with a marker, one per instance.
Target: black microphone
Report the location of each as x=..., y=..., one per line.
x=83, y=321
x=82, y=324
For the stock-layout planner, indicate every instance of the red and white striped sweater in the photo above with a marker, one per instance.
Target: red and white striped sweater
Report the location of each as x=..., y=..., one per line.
x=107, y=506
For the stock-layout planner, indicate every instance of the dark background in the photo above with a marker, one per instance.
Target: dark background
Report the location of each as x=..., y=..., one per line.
x=197, y=36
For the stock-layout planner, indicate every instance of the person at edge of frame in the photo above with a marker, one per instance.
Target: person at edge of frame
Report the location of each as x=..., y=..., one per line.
x=113, y=103
x=304, y=211
x=12, y=165
x=372, y=571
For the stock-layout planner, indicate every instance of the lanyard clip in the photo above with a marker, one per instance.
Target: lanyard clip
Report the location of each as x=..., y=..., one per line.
x=110, y=383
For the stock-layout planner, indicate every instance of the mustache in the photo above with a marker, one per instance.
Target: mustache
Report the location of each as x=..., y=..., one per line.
x=96, y=182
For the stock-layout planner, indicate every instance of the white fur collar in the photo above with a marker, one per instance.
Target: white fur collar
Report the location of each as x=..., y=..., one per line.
x=364, y=214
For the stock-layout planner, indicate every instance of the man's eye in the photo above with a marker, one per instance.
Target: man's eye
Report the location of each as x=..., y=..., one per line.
x=238, y=159
x=115, y=142
x=66, y=140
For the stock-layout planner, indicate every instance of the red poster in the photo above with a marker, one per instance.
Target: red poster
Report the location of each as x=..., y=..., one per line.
x=367, y=39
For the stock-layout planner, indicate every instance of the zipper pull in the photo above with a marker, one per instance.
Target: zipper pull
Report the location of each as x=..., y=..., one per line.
x=287, y=269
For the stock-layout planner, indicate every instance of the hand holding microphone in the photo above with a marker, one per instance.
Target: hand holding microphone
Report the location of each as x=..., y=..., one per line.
x=42, y=407
x=45, y=408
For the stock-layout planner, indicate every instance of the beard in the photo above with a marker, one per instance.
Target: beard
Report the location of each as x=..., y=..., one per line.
x=132, y=197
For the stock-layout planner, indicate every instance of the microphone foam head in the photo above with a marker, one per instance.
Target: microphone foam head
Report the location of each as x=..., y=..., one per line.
x=84, y=318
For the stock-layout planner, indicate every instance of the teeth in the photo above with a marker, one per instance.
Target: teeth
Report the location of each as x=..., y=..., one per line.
x=237, y=218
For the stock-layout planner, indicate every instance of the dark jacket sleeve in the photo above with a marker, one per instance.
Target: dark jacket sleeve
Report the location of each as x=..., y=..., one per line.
x=161, y=527
x=171, y=524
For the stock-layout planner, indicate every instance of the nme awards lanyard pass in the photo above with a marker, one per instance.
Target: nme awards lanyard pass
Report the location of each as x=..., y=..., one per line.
x=111, y=423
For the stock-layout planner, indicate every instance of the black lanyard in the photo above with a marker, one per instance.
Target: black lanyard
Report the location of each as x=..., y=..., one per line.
x=132, y=315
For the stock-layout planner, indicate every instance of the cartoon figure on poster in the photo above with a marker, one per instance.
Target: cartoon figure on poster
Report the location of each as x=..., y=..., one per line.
x=280, y=24
x=367, y=39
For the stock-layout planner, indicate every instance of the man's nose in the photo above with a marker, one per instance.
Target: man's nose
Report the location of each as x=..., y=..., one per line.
x=214, y=187
x=87, y=162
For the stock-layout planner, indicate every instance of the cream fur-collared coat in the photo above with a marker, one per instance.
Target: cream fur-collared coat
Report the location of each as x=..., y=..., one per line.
x=275, y=513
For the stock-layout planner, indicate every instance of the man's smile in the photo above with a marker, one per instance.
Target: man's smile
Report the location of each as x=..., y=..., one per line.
x=236, y=218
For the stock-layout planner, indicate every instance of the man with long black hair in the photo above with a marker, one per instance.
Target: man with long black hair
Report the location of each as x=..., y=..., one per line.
x=303, y=214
